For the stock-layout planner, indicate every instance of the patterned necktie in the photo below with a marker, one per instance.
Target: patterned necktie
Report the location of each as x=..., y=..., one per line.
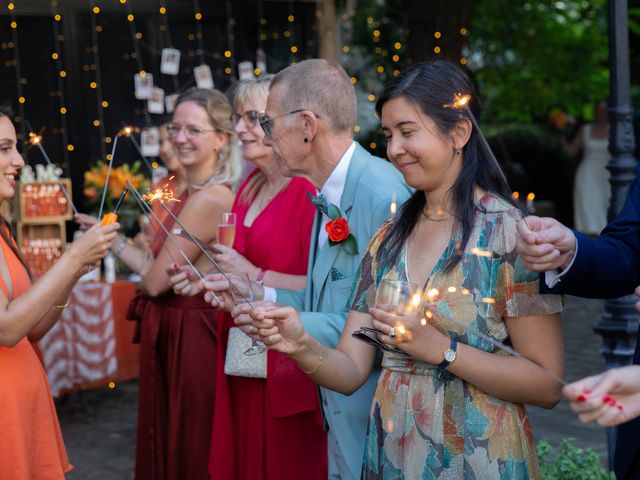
x=319, y=202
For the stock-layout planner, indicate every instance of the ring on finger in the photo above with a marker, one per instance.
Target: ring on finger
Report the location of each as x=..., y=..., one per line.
x=392, y=332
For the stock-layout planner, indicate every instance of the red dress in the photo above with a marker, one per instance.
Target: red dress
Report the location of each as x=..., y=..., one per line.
x=178, y=342
x=31, y=445
x=270, y=429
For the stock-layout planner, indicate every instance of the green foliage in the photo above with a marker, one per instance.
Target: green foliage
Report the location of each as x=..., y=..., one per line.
x=530, y=58
x=570, y=462
x=533, y=161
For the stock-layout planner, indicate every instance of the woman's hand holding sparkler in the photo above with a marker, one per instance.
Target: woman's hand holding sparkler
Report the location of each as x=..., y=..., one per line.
x=410, y=331
x=183, y=280
x=241, y=314
x=232, y=262
x=84, y=221
x=93, y=245
x=218, y=288
x=592, y=398
x=279, y=327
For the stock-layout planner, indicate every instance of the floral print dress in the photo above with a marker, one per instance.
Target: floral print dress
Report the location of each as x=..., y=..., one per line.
x=426, y=424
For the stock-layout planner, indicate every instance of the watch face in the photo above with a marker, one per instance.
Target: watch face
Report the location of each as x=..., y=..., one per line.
x=449, y=355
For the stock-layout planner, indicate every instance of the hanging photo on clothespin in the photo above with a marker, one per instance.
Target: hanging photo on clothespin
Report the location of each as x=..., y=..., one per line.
x=204, y=79
x=261, y=61
x=156, y=103
x=143, y=84
x=170, y=102
x=170, y=62
x=245, y=70
x=150, y=142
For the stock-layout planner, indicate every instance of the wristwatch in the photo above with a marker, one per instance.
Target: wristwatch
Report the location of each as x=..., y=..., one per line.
x=449, y=355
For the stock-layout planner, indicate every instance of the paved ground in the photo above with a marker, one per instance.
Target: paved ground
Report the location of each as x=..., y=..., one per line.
x=99, y=426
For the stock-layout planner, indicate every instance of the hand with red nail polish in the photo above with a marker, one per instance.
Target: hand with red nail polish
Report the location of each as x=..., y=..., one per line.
x=610, y=398
x=183, y=281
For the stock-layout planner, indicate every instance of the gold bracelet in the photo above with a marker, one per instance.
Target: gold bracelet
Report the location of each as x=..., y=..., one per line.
x=63, y=306
x=320, y=359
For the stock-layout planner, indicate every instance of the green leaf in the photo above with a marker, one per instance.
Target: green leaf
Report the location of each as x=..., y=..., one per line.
x=349, y=244
x=333, y=212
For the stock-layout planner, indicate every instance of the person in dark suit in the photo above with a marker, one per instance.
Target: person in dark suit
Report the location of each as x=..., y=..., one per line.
x=607, y=266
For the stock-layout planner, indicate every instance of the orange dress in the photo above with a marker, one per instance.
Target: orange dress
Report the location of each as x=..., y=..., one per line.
x=31, y=446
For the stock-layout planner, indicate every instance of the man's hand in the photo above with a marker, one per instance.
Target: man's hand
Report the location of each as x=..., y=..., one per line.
x=544, y=244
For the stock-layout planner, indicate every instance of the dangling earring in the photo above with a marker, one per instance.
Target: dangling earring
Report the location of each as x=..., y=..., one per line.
x=458, y=151
x=306, y=140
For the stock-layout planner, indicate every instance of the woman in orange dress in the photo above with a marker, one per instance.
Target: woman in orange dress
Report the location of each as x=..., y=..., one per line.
x=31, y=446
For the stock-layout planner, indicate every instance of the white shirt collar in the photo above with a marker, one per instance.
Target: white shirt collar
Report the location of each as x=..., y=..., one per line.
x=334, y=186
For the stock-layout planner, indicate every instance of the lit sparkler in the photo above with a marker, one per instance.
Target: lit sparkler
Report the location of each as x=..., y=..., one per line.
x=129, y=132
x=35, y=140
x=204, y=251
x=431, y=305
x=160, y=194
x=145, y=207
x=461, y=102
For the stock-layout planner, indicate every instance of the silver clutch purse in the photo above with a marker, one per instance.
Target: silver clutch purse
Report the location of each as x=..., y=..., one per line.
x=237, y=364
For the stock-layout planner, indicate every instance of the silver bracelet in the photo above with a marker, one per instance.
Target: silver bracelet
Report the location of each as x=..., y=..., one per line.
x=121, y=245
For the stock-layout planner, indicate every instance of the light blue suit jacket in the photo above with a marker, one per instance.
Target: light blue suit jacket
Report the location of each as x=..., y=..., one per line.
x=370, y=185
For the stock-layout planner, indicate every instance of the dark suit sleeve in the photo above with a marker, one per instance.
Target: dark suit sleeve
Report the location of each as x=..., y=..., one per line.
x=607, y=266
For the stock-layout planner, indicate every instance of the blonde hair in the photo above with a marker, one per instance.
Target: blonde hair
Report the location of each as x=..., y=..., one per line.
x=216, y=104
x=243, y=92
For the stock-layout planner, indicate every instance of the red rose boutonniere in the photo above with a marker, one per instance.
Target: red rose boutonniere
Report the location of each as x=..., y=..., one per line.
x=337, y=227
x=339, y=234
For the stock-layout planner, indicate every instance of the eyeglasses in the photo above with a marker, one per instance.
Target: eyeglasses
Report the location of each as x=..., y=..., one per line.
x=250, y=118
x=190, y=131
x=266, y=122
x=369, y=335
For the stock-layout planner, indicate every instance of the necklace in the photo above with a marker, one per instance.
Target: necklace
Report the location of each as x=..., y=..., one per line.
x=433, y=219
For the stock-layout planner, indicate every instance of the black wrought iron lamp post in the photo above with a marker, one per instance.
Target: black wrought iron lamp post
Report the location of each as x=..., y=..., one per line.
x=619, y=323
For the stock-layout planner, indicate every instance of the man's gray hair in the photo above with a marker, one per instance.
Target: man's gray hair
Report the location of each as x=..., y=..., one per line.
x=322, y=87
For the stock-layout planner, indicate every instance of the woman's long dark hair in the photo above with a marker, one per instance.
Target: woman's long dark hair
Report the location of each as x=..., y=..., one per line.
x=432, y=87
x=5, y=111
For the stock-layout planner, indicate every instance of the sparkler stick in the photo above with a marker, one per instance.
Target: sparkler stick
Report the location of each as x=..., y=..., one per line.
x=129, y=133
x=36, y=140
x=204, y=251
x=432, y=293
x=146, y=207
x=461, y=102
x=106, y=182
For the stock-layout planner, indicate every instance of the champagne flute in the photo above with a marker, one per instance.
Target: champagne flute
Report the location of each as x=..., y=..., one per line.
x=242, y=292
x=227, y=229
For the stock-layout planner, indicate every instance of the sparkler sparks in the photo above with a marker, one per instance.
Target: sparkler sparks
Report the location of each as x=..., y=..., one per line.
x=161, y=194
x=460, y=101
x=127, y=131
x=34, y=139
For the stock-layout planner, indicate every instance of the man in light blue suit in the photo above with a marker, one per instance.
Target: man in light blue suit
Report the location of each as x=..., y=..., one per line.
x=309, y=122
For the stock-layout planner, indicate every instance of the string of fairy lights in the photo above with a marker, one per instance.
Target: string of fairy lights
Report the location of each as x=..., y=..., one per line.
x=136, y=36
x=61, y=74
x=96, y=83
x=388, y=55
x=231, y=68
x=20, y=80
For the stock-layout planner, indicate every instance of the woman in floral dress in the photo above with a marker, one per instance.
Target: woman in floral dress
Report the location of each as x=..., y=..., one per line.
x=450, y=404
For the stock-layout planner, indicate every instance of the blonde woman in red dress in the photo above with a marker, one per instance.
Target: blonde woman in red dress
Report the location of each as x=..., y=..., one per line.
x=31, y=446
